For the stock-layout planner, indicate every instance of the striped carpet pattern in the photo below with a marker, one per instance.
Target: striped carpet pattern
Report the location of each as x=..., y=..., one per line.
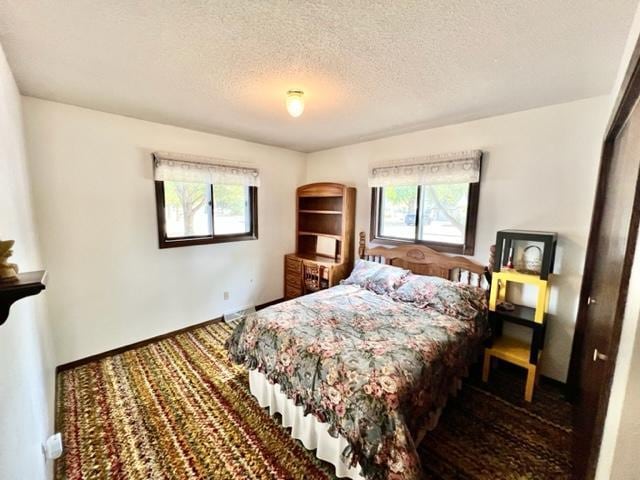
x=178, y=409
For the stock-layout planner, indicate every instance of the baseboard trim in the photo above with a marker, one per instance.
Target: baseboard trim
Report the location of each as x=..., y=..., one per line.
x=142, y=343
x=553, y=381
x=268, y=304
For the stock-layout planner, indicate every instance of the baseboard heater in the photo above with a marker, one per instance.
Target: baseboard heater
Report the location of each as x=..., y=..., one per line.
x=238, y=315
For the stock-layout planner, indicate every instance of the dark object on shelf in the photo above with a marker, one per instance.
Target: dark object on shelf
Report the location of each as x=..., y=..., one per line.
x=506, y=248
x=505, y=307
x=27, y=284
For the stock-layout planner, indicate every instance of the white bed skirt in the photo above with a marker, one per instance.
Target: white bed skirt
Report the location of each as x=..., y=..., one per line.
x=312, y=433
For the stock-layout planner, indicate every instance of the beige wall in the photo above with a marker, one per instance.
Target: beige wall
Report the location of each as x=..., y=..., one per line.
x=26, y=363
x=539, y=173
x=95, y=209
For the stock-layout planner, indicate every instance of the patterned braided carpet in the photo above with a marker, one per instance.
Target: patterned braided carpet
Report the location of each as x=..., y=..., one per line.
x=178, y=409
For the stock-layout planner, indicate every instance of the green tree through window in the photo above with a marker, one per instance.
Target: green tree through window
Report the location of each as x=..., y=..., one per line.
x=198, y=213
x=435, y=215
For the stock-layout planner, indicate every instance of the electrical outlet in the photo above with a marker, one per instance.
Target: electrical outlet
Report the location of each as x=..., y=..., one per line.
x=226, y=295
x=52, y=447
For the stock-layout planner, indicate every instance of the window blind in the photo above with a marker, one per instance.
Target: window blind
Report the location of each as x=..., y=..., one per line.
x=188, y=168
x=457, y=167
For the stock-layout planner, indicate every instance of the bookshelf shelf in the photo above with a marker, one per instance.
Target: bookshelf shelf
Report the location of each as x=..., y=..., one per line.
x=324, y=238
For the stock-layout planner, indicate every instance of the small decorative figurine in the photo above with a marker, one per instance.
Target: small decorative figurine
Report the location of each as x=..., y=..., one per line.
x=510, y=261
x=505, y=306
x=8, y=271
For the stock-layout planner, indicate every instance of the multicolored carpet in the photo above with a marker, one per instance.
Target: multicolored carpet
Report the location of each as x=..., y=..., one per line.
x=178, y=409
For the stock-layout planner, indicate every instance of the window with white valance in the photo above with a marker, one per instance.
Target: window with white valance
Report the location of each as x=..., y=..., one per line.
x=188, y=168
x=203, y=200
x=431, y=200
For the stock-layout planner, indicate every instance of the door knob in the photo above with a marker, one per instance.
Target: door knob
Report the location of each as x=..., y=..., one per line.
x=591, y=301
x=598, y=356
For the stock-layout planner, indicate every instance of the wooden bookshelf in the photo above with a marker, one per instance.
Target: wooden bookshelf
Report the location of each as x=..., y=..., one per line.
x=325, y=216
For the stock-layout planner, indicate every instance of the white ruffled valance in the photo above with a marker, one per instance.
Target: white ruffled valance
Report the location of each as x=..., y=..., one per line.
x=188, y=168
x=458, y=167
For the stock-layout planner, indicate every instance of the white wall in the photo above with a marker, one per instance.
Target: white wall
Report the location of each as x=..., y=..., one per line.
x=539, y=173
x=95, y=209
x=26, y=365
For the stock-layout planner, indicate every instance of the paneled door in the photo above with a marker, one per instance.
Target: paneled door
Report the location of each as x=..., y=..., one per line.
x=610, y=253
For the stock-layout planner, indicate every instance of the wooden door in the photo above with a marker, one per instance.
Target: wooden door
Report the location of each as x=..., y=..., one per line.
x=603, y=296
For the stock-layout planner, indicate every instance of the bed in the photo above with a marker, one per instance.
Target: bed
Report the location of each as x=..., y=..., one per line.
x=360, y=375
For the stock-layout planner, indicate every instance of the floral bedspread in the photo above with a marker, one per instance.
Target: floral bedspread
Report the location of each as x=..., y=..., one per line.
x=375, y=369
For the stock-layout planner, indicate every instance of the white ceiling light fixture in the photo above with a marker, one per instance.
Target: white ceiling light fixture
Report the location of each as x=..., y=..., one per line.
x=295, y=102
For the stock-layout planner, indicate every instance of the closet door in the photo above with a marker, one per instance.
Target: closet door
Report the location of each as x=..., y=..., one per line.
x=603, y=297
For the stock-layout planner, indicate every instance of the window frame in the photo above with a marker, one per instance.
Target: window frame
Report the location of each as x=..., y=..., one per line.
x=467, y=248
x=166, y=242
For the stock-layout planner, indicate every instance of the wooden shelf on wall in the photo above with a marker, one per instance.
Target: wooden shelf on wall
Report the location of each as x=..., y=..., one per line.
x=27, y=284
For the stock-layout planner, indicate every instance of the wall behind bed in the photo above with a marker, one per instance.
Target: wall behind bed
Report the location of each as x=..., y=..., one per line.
x=94, y=199
x=539, y=173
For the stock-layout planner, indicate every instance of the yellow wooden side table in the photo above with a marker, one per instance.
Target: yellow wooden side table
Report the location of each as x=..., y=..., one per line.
x=513, y=351
x=500, y=280
x=517, y=352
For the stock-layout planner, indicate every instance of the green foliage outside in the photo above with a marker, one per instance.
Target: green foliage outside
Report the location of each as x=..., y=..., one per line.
x=229, y=199
x=187, y=198
x=402, y=196
x=448, y=200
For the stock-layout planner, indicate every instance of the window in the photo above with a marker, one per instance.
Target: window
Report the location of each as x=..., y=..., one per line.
x=192, y=213
x=440, y=216
x=430, y=200
x=203, y=200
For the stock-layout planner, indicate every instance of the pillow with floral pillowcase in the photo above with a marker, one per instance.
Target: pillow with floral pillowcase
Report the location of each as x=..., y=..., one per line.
x=377, y=277
x=447, y=297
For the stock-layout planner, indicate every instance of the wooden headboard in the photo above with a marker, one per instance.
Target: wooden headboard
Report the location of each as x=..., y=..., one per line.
x=426, y=261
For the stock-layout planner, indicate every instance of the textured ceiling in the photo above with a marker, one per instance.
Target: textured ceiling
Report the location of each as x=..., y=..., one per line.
x=369, y=68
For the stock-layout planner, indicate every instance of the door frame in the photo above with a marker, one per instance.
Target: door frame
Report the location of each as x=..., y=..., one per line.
x=625, y=102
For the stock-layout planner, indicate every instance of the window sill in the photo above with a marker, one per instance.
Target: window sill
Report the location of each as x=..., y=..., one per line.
x=438, y=247
x=187, y=242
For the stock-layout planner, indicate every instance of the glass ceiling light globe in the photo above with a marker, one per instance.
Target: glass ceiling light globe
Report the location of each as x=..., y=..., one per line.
x=295, y=102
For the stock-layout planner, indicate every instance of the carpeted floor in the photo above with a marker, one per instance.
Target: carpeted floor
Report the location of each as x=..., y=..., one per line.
x=178, y=409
